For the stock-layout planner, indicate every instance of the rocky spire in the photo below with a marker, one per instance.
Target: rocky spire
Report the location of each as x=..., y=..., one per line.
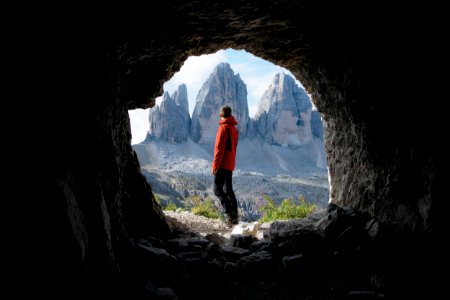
x=284, y=113
x=170, y=120
x=181, y=98
x=223, y=87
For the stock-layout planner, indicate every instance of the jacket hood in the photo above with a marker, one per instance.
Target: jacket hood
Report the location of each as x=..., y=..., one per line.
x=230, y=120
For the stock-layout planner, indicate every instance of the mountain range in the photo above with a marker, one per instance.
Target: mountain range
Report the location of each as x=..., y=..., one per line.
x=280, y=150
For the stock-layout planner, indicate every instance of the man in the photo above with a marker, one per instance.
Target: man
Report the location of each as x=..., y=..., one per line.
x=224, y=163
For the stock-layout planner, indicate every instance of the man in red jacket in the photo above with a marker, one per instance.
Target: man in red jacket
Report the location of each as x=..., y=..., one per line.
x=224, y=163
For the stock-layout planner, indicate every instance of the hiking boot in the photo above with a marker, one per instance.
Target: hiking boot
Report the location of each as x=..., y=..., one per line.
x=232, y=220
x=229, y=222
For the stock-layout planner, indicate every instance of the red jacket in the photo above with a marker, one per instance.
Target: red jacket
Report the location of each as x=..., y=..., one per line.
x=225, y=158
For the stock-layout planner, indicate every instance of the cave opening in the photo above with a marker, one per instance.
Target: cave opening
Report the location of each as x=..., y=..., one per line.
x=386, y=216
x=286, y=163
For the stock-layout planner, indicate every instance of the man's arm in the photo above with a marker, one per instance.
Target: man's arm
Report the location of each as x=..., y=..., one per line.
x=219, y=148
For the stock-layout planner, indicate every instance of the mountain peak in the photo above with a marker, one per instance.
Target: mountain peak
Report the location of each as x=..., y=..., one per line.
x=284, y=113
x=169, y=121
x=181, y=98
x=223, y=66
x=222, y=87
x=166, y=96
x=223, y=69
x=282, y=79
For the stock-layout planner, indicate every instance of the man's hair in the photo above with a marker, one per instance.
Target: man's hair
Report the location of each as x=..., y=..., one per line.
x=225, y=111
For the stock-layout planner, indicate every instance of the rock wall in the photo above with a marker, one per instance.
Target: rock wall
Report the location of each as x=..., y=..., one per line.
x=361, y=88
x=83, y=197
x=284, y=113
x=170, y=120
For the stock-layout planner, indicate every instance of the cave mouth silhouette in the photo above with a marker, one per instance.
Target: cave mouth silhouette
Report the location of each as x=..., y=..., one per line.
x=257, y=75
x=96, y=203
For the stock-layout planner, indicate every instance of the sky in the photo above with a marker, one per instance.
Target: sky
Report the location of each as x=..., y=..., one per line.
x=256, y=73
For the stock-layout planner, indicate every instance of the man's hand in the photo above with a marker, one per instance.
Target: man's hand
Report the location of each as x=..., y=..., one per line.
x=214, y=171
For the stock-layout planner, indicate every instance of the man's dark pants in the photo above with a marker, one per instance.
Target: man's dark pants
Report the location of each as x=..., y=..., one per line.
x=227, y=199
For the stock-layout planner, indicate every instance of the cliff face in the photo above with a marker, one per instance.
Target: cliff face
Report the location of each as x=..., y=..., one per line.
x=284, y=119
x=284, y=113
x=170, y=121
x=223, y=87
x=92, y=197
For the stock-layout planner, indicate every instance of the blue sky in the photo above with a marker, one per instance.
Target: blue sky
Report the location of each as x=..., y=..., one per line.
x=256, y=73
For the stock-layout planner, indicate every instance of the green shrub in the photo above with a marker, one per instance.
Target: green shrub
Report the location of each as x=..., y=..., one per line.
x=203, y=207
x=170, y=206
x=288, y=209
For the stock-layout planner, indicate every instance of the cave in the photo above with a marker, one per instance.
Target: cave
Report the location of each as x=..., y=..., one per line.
x=85, y=201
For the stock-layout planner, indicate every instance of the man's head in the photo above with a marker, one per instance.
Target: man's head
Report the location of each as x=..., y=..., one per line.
x=225, y=111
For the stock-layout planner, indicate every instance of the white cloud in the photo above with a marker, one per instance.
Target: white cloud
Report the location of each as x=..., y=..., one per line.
x=139, y=124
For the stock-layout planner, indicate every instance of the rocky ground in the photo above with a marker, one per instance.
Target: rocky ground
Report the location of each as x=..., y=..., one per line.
x=203, y=226
x=339, y=253
x=191, y=222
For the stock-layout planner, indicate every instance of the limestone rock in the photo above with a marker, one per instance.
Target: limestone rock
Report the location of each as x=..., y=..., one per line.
x=284, y=113
x=223, y=87
x=170, y=120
